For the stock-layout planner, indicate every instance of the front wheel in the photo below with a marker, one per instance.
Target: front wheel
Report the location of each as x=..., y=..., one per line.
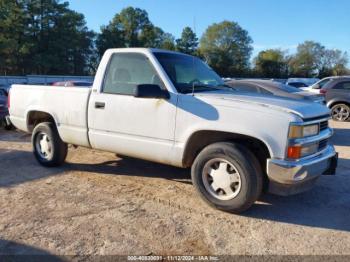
x=340, y=112
x=48, y=147
x=228, y=176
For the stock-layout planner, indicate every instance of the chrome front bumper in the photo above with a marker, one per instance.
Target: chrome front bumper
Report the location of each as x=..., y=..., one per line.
x=292, y=177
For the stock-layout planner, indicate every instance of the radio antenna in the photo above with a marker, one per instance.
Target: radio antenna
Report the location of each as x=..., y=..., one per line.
x=193, y=61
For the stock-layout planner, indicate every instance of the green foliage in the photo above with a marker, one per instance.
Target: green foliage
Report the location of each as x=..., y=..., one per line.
x=161, y=40
x=167, y=42
x=46, y=37
x=43, y=37
x=13, y=44
x=334, y=63
x=132, y=28
x=227, y=48
x=313, y=59
x=271, y=63
x=135, y=27
x=109, y=37
x=307, y=60
x=188, y=43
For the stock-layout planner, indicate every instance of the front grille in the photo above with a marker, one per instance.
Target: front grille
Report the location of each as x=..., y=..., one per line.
x=323, y=125
x=322, y=144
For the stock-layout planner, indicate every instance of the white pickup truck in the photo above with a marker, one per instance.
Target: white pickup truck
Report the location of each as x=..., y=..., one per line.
x=173, y=109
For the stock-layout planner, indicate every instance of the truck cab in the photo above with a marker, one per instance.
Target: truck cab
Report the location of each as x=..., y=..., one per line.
x=172, y=108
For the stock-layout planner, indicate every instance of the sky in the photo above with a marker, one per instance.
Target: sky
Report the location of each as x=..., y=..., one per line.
x=271, y=23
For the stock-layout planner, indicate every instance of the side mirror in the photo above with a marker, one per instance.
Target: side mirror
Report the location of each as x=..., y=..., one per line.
x=150, y=91
x=316, y=86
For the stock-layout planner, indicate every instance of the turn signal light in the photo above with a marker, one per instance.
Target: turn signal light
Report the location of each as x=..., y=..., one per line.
x=294, y=152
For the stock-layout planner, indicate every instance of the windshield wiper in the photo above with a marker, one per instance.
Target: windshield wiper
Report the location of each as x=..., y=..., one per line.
x=198, y=88
x=204, y=87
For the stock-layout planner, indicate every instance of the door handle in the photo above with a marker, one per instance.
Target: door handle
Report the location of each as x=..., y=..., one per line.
x=100, y=105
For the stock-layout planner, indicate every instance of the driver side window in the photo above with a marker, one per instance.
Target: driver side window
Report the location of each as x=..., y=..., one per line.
x=126, y=71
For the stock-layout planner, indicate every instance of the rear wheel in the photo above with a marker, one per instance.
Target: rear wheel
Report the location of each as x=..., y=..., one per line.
x=340, y=112
x=48, y=147
x=8, y=126
x=228, y=177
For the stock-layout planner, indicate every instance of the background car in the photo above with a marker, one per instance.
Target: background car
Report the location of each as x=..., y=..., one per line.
x=273, y=88
x=6, y=88
x=316, y=88
x=301, y=82
x=337, y=95
x=3, y=105
x=297, y=84
x=72, y=83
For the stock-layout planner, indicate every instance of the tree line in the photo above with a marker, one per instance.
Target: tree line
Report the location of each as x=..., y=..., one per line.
x=47, y=37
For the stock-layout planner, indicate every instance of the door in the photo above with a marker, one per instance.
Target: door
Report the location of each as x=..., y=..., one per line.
x=121, y=123
x=341, y=91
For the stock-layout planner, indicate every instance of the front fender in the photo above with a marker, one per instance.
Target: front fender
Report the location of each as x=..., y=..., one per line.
x=334, y=101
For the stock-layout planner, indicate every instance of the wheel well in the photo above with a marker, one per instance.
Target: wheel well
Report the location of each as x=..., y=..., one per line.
x=339, y=102
x=36, y=117
x=199, y=140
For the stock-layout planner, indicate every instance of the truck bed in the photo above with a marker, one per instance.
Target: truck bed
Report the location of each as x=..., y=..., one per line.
x=67, y=106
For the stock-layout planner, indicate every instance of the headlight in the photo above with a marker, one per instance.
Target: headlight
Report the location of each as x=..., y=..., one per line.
x=303, y=131
x=295, y=152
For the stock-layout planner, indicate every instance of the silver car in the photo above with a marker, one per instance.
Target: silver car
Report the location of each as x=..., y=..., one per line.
x=269, y=87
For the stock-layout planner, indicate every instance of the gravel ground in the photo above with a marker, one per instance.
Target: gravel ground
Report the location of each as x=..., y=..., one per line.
x=100, y=204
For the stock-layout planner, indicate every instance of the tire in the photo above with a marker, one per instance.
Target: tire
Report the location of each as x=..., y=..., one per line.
x=48, y=148
x=340, y=112
x=246, y=190
x=8, y=127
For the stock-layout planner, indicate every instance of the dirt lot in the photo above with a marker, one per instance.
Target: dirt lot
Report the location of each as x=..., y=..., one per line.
x=99, y=204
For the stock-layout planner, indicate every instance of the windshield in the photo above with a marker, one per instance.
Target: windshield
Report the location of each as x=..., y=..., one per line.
x=188, y=72
x=321, y=84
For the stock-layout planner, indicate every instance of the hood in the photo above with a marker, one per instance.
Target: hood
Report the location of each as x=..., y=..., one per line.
x=302, y=108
